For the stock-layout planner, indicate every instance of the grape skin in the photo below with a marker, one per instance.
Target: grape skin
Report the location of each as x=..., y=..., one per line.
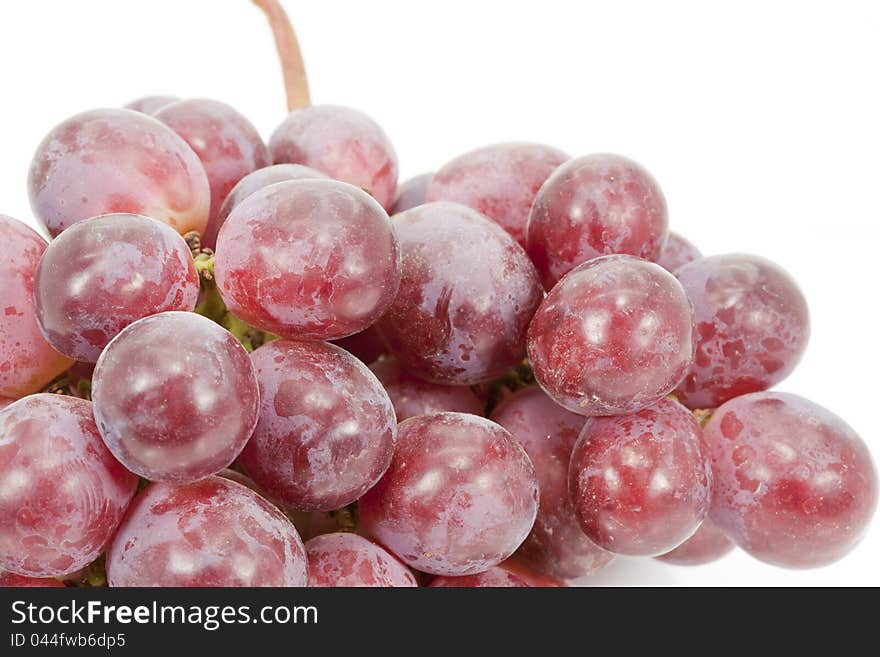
x=493, y=578
x=11, y=580
x=117, y=161
x=176, y=397
x=151, y=104
x=104, y=273
x=63, y=493
x=326, y=430
x=708, y=544
x=677, y=252
x=411, y=193
x=212, y=532
x=347, y=560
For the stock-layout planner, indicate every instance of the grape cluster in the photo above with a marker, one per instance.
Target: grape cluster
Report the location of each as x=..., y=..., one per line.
x=249, y=364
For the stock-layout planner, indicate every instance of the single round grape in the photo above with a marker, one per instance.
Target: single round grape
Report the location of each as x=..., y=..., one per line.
x=27, y=361
x=466, y=297
x=677, y=252
x=344, y=559
x=460, y=496
x=227, y=144
x=556, y=546
x=708, y=544
x=367, y=345
x=212, y=532
x=63, y=494
x=104, y=273
x=343, y=143
x=151, y=104
x=411, y=193
x=11, y=580
x=794, y=485
x=592, y=206
x=308, y=259
x=117, y=161
x=615, y=335
x=412, y=396
x=640, y=484
x=752, y=327
x=327, y=428
x=499, y=181
x=176, y=397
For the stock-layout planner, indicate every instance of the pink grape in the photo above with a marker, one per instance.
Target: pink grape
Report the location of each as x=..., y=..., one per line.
x=411, y=193
x=367, y=345
x=592, y=206
x=460, y=496
x=794, y=485
x=327, y=428
x=27, y=361
x=556, y=546
x=117, y=161
x=176, y=397
x=343, y=143
x=64, y=494
x=227, y=144
x=615, y=335
x=11, y=580
x=412, y=396
x=212, y=532
x=151, y=104
x=640, y=484
x=493, y=578
x=343, y=559
x=677, y=252
x=708, y=544
x=308, y=259
x=467, y=295
x=752, y=327
x=104, y=273
x=499, y=181
x=5, y=402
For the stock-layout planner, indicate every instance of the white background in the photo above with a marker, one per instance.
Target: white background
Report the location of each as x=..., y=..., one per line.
x=759, y=119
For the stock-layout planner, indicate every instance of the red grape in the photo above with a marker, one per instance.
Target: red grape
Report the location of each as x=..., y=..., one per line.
x=367, y=345
x=467, y=294
x=151, y=104
x=228, y=145
x=592, y=206
x=677, y=252
x=794, y=485
x=326, y=429
x=104, y=273
x=752, y=327
x=212, y=532
x=460, y=496
x=708, y=544
x=5, y=402
x=411, y=193
x=11, y=580
x=343, y=143
x=412, y=396
x=640, y=483
x=308, y=259
x=557, y=546
x=63, y=494
x=615, y=335
x=493, y=578
x=176, y=397
x=348, y=560
x=499, y=181
x=117, y=161
x=27, y=361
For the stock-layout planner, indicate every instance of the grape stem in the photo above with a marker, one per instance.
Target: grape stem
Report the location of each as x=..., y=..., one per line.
x=296, y=83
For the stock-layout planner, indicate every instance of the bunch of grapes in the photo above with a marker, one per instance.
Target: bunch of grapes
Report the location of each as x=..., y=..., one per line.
x=231, y=367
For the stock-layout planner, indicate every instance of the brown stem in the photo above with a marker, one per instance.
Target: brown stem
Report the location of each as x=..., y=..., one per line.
x=296, y=84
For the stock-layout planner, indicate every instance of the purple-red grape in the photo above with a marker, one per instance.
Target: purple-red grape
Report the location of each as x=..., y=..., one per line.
x=367, y=345
x=176, y=397
x=151, y=104
x=117, y=161
x=794, y=485
x=63, y=494
x=104, y=273
x=677, y=252
x=499, y=181
x=11, y=580
x=556, y=546
x=27, y=361
x=344, y=559
x=615, y=335
x=466, y=297
x=327, y=427
x=752, y=327
x=640, y=484
x=494, y=578
x=708, y=544
x=212, y=532
x=411, y=193
x=460, y=496
x=308, y=259
x=592, y=206
x=343, y=143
